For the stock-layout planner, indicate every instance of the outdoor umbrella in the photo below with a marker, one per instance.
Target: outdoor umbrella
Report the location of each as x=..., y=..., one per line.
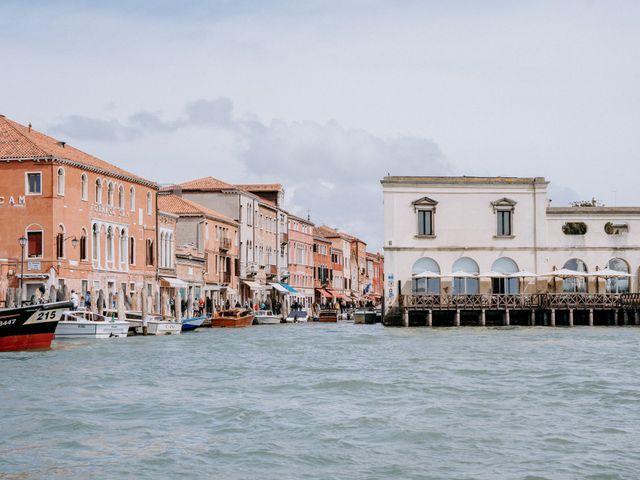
x=461, y=274
x=427, y=274
x=608, y=273
x=492, y=274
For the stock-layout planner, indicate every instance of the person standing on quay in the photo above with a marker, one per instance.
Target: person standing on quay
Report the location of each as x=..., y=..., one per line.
x=75, y=301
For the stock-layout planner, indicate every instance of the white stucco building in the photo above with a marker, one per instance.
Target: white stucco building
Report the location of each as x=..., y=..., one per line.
x=465, y=228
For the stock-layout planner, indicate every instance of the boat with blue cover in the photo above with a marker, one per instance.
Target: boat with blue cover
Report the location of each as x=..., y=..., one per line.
x=192, y=323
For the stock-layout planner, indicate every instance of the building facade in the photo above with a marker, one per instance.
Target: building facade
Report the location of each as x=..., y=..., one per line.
x=322, y=267
x=88, y=225
x=301, y=266
x=465, y=236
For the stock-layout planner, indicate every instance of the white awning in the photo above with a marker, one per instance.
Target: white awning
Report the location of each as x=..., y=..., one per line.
x=280, y=288
x=253, y=285
x=175, y=282
x=211, y=287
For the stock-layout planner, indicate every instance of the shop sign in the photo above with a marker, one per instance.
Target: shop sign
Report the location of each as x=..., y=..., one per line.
x=11, y=201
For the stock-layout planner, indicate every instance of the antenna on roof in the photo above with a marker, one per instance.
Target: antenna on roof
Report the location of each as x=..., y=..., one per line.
x=29, y=127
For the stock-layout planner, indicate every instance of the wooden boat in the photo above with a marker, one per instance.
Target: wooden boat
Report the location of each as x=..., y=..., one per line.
x=192, y=323
x=328, y=315
x=234, y=318
x=30, y=327
x=266, y=317
x=84, y=324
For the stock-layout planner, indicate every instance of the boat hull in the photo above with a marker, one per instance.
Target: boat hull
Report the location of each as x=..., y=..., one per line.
x=232, y=322
x=31, y=327
x=267, y=320
x=164, y=328
x=192, y=323
x=330, y=316
x=91, y=329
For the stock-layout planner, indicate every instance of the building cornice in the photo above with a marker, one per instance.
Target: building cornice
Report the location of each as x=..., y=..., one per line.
x=593, y=210
x=462, y=180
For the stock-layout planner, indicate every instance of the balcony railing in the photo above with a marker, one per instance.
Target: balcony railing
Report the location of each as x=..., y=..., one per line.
x=422, y=301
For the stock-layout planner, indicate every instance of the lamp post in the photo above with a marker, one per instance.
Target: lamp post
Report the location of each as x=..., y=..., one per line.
x=23, y=242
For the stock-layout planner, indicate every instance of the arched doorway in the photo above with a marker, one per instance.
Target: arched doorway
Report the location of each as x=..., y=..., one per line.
x=507, y=285
x=467, y=283
x=618, y=284
x=421, y=282
x=575, y=284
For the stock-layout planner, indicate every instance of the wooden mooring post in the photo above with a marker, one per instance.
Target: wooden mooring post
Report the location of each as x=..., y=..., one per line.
x=552, y=322
x=571, y=317
x=591, y=317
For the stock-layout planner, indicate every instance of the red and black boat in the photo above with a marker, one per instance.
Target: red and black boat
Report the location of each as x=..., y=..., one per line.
x=30, y=327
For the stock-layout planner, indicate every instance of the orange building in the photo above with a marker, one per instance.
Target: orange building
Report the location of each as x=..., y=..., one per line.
x=87, y=224
x=322, y=267
x=375, y=277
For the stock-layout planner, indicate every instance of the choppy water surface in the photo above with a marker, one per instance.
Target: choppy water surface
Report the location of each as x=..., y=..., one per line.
x=327, y=401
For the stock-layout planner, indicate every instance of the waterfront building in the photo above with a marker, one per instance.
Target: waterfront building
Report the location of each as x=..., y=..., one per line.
x=262, y=224
x=322, y=267
x=337, y=274
x=473, y=244
x=375, y=274
x=87, y=224
x=301, y=266
x=207, y=248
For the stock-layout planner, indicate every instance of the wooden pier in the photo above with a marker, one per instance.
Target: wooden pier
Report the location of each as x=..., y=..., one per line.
x=541, y=309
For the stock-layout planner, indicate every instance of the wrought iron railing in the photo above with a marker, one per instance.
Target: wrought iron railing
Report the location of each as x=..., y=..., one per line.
x=488, y=301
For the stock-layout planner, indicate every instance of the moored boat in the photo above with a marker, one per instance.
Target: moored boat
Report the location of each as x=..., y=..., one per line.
x=156, y=325
x=364, y=316
x=297, y=316
x=266, y=317
x=234, y=318
x=192, y=323
x=30, y=327
x=328, y=315
x=85, y=324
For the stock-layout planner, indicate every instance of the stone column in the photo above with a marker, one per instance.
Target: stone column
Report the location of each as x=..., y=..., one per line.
x=571, y=317
x=405, y=317
x=507, y=318
x=457, y=319
x=120, y=301
x=553, y=317
x=533, y=317
x=591, y=317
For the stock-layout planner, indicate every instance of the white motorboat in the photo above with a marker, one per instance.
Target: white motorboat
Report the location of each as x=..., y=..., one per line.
x=156, y=325
x=85, y=324
x=266, y=317
x=297, y=316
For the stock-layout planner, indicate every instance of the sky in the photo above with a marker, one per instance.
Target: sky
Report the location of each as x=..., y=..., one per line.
x=327, y=97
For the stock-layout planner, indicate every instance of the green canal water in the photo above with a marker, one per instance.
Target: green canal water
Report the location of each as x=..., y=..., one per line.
x=323, y=401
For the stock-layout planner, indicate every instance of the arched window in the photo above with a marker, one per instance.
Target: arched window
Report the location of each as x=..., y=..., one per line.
x=110, y=194
x=149, y=203
x=132, y=251
x=121, y=197
x=83, y=244
x=465, y=280
x=575, y=284
x=60, y=181
x=170, y=250
x=150, y=255
x=84, y=187
x=618, y=284
x=110, y=244
x=424, y=279
x=60, y=242
x=505, y=284
x=162, y=251
x=95, y=240
x=132, y=199
x=122, y=253
x=98, y=190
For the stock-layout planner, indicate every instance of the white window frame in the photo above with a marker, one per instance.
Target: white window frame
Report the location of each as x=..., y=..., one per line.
x=26, y=184
x=132, y=199
x=84, y=187
x=27, y=232
x=60, y=173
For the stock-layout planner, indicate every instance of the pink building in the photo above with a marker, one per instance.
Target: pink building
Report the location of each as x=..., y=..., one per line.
x=301, y=258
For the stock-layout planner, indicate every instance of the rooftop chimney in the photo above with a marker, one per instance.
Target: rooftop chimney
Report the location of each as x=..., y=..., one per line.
x=62, y=144
x=29, y=127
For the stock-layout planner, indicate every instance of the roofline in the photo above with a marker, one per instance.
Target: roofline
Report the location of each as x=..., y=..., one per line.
x=84, y=166
x=464, y=180
x=300, y=219
x=203, y=214
x=593, y=210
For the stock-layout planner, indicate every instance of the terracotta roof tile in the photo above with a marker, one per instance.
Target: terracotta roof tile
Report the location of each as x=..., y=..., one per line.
x=259, y=187
x=182, y=206
x=20, y=142
x=206, y=184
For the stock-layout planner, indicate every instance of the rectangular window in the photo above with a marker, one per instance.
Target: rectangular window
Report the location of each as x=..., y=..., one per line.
x=425, y=222
x=504, y=223
x=34, y=183
x=34, y=244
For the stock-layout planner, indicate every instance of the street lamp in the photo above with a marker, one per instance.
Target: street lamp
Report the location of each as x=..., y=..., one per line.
x=23, y=243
